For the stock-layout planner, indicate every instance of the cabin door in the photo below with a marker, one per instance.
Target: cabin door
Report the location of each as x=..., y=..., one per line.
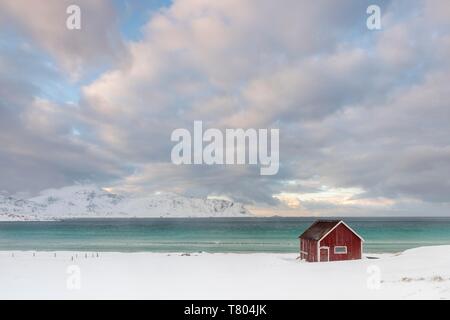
x=324, y=254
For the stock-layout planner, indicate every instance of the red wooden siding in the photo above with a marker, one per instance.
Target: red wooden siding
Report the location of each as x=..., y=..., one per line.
x=342, y=236
x=308, y=249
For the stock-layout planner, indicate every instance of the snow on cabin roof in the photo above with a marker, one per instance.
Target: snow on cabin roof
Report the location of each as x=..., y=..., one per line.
x=318, y=229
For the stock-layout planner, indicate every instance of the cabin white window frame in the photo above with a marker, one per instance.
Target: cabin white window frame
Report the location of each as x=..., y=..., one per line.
x=335, y=247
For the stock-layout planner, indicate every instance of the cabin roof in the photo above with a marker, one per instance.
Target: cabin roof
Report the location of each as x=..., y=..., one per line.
x=319, y=229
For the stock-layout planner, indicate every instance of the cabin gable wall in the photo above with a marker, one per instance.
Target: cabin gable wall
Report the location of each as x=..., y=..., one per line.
x=342, y=236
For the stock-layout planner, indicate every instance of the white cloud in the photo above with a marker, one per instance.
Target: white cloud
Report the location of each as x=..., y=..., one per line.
x=225, y=63
x=97, y=42
x=364, y=113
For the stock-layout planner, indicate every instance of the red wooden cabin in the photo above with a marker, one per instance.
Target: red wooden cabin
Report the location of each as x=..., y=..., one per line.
x=330, y=240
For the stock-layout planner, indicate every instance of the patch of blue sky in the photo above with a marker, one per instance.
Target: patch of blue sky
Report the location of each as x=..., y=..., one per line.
x=23, y=62
x=134, y=14
x=59, y=91
x=53, y=84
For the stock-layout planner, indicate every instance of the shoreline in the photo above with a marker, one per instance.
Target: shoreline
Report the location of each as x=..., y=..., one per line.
x=420, y=273
x=367, y=255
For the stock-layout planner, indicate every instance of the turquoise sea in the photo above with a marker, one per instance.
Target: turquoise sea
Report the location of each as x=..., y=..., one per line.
x=212, y=234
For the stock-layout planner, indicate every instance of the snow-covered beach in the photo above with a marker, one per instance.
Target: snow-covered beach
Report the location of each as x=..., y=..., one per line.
x=422, y=273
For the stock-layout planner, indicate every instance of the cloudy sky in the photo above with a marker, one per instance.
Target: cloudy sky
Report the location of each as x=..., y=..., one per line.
x=363, y=114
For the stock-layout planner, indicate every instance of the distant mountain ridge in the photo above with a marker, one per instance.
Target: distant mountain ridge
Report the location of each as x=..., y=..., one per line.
x=90, y=201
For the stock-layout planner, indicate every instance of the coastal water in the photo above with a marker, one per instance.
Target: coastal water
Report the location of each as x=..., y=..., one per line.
x=212, y=234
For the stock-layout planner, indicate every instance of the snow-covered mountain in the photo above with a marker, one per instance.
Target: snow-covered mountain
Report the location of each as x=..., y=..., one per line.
x=12, y=209
x=90, y=201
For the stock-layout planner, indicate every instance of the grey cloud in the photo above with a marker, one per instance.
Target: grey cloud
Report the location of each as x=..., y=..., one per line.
x=331, y=99
x=356, y=108
x=96, y=44
x=37, y=147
